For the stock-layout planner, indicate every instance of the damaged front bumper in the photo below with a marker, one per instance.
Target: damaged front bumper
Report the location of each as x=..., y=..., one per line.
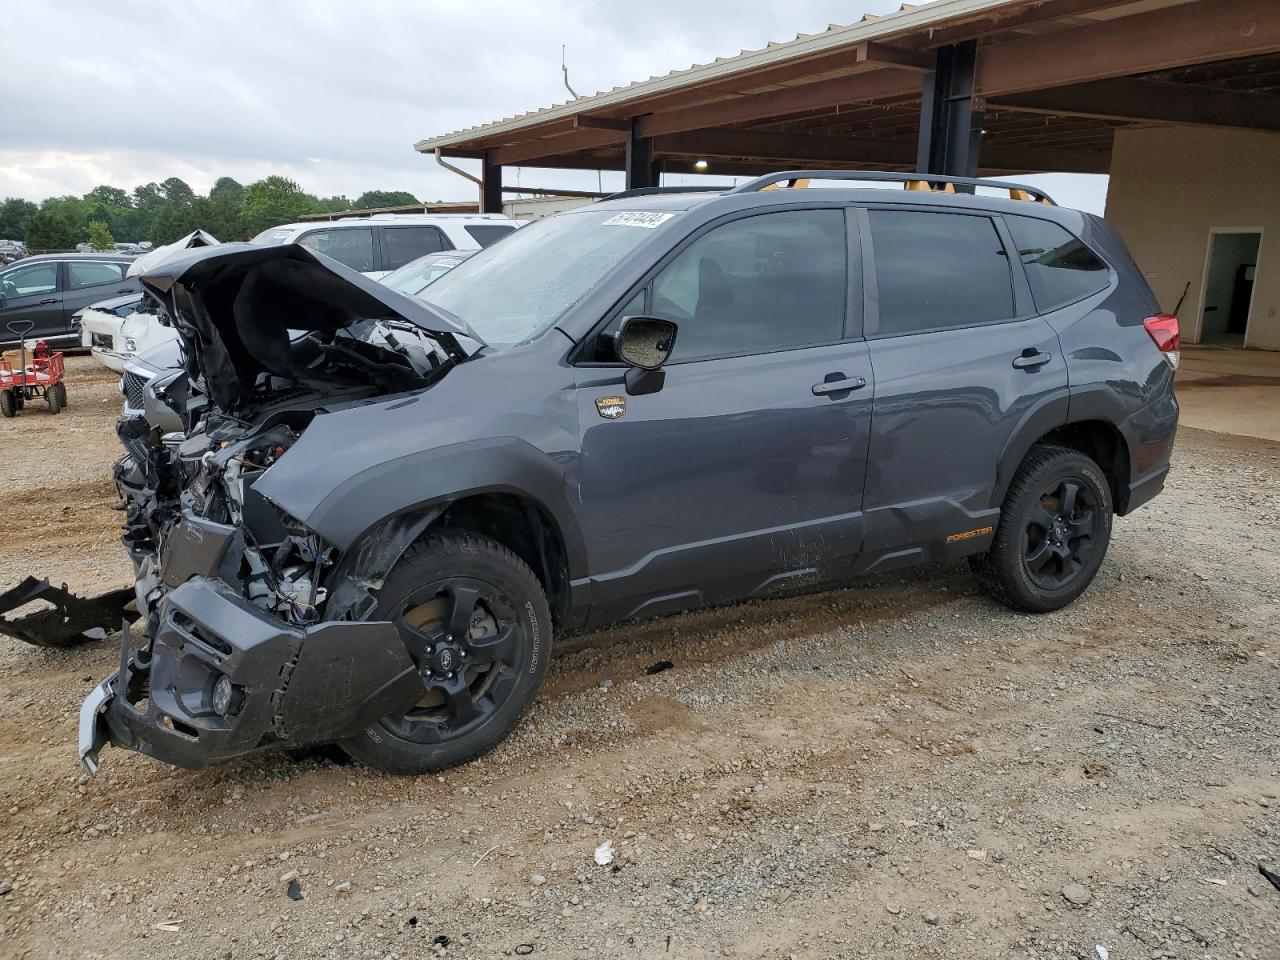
x=222, y=678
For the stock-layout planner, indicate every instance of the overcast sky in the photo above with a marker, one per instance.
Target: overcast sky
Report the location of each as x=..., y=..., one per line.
x=334, y=94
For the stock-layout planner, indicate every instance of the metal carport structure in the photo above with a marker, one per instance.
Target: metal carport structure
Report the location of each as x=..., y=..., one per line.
x=960, y=87
x=1177, y=100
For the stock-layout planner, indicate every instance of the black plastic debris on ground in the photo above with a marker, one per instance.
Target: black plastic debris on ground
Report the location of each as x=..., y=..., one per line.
x=1273, y=877
x=658, y=667
x=441, y=941
x=295, y=890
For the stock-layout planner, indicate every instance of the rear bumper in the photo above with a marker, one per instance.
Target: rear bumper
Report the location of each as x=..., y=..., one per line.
x=1149, y=433
x=290, y=685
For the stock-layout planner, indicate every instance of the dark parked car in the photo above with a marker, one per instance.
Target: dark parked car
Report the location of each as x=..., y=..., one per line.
x=49, y=289
x=660, y=401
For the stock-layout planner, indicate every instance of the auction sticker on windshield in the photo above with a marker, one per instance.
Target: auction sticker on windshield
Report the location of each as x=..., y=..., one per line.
x=646, y=220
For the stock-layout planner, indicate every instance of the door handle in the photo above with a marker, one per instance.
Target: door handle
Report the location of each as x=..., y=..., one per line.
x=49, y=300
x=841, y=385
x=1031, y=359
x=125, y=290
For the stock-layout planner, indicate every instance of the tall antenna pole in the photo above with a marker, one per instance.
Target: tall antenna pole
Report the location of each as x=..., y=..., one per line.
x=564, y=70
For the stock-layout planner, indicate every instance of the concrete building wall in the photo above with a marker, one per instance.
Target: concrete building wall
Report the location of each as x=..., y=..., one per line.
x=1171, y=186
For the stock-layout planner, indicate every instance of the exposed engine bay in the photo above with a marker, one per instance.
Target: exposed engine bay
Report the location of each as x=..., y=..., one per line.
x=226, y=581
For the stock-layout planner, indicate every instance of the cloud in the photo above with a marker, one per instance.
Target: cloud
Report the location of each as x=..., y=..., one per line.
x=333, y=94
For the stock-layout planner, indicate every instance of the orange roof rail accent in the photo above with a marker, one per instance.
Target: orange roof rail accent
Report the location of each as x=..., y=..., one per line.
x=799, y=183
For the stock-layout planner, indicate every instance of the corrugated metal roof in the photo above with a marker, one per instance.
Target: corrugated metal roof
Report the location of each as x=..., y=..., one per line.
x=908, y=18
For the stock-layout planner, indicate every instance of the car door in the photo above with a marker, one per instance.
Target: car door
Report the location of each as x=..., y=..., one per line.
x=963, y=367
x=90, y=281
x=31, y=292
x=352, y=246
x=401, y=245
x=745, y=470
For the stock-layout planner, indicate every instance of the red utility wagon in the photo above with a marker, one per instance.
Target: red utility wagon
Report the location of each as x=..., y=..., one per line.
x=42, y=377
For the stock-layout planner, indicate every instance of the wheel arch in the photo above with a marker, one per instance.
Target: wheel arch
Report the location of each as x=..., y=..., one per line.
x=1099, y=440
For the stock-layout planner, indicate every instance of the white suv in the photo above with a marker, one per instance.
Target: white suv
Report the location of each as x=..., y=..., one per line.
x=381, y=243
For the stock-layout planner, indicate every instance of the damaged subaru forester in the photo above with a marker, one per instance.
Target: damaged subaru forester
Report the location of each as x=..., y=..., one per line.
x=380, y=509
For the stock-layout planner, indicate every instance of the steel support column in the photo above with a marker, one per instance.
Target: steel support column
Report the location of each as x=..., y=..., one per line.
x=642, y=170
x=950, y=118
x=491, y=188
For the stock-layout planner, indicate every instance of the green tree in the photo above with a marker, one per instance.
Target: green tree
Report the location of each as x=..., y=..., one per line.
x=72, y=210
x=100, y=237
x=227, y=190
x=49, y=229
x=177, y=192
x=170, y=224
x=112, y=206
x=384, y=198
x=274, y=200
x=14, y=214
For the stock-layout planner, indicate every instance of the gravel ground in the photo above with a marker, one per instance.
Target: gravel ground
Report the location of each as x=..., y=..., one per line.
x=901, y=769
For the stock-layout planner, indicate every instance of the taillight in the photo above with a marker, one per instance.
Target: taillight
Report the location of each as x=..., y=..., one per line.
x=1163, y=330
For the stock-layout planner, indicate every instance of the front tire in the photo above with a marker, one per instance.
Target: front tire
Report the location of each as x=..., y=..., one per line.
x=1054, y=529
x=477, y=625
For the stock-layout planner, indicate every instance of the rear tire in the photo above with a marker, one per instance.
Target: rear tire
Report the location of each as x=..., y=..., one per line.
x=477, y=624
x=1054, y=529
x=7, y=406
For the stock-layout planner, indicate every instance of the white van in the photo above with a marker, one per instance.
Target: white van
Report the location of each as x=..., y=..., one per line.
x=381, y=243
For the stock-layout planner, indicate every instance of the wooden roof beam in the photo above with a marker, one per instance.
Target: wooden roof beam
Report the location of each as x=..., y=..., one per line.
x=1152, y=100
x=873, y=85
x=1196, y=32
x=785, y=149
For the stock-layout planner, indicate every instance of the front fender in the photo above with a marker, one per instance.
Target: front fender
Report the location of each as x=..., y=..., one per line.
x=354, y=501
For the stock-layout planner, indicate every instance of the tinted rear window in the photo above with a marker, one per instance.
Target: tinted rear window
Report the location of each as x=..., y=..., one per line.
x=487, y=233
x=1060, y=268
x=937, y=270
x=402, y=244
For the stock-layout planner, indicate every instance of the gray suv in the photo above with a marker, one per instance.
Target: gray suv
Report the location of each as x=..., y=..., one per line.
x=384, y=509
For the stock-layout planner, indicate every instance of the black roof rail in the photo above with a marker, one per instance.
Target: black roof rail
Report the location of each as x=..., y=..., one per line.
x=656, y=191
x=925, y=181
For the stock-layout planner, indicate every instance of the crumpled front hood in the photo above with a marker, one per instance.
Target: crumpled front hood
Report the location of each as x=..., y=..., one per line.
x=238, y=306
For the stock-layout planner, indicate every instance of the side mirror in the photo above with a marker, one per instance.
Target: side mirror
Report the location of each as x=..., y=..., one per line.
x=645, y=343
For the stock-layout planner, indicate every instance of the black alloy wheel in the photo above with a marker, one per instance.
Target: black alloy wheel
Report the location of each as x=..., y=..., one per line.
x=474, y=619
x=1060, y=535
x=462, y=634
x=1054, y=528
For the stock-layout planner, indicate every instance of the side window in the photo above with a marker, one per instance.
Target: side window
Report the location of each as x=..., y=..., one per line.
x=30, y=280
x=487, y=233
x=937, y=270
x=770, y=282
x=350, y=245
x=1060, y=268
x=402, y=244
x=88, y=274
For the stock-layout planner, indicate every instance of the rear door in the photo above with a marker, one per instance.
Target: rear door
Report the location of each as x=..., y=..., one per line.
x=745, y=470
x=401, y=245
x=31, y=293
x=89, y=281
x=352, y=246
x=963, y=367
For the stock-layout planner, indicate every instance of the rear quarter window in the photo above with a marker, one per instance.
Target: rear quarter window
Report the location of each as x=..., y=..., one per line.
x=487, y=233
x=1059, y=267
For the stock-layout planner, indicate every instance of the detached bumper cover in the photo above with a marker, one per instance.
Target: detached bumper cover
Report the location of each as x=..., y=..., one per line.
x=71, y=621
x=291, y=686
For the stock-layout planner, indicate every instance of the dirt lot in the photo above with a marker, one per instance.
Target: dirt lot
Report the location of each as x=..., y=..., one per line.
x=897, y=770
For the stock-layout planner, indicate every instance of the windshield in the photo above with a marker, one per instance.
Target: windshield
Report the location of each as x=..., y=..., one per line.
x=520, y=287
x=272, y=238
x=414, y=277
